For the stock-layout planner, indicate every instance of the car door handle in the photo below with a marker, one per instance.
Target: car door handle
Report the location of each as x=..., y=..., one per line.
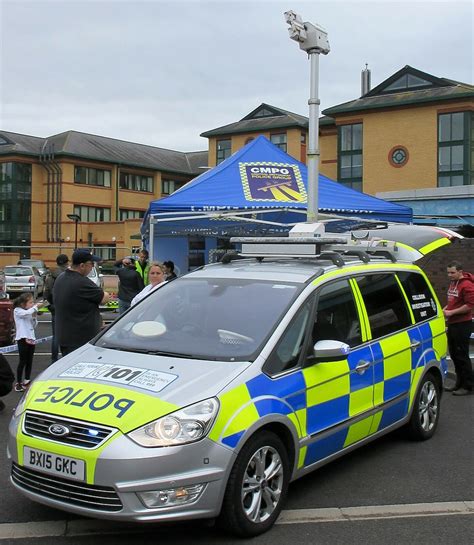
x=415, y=344
x=362, y=367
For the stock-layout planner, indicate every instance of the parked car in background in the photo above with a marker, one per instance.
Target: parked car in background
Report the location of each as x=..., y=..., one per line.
x=38, y=263
x=21, y=278
x=6, y=314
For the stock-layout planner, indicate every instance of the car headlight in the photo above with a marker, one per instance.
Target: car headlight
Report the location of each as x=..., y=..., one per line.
x=184, y=426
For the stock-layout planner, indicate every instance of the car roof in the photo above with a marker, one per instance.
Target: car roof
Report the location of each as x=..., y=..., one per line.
x=298, y=271
x=294, y=270
x=20, y=266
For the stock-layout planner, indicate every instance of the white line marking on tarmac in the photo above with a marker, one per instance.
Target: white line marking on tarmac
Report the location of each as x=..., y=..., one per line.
x=25, y=530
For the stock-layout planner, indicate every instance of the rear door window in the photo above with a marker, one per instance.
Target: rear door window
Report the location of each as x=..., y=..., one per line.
x=419, y=295
x=385, y=304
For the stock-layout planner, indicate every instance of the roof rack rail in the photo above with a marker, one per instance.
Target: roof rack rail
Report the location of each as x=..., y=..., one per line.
x=335, y=257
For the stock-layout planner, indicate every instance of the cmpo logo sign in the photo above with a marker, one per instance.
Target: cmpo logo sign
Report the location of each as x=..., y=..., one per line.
x=272, y=182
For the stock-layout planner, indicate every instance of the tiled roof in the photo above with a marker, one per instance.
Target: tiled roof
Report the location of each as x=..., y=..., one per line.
x=281, y=119
x=101, y=148
x=437, y=90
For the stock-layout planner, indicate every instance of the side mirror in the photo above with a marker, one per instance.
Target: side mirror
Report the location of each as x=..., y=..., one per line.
x=331, y=350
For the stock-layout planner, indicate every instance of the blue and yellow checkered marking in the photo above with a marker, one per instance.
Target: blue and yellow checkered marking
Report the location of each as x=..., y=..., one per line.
x=330, y=393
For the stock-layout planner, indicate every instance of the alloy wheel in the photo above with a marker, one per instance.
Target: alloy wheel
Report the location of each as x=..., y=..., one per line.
x=428, y=407
x=262, y=484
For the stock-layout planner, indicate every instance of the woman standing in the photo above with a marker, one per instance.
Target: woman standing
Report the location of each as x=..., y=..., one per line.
x=25, y=322
x=156, y=277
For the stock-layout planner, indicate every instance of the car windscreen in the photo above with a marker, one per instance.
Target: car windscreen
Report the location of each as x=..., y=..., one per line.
x=18, y=271
x=215, y=319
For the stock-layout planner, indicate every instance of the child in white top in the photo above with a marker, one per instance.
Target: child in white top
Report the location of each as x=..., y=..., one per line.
x=25, y=322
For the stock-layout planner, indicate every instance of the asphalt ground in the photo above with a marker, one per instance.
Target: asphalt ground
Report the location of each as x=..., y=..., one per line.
x=412, y=492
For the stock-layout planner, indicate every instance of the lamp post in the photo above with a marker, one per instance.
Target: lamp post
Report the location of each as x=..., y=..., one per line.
x=76, y=219
x=314, y=40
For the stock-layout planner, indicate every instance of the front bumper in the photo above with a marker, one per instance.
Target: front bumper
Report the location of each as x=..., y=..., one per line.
x=127, y=469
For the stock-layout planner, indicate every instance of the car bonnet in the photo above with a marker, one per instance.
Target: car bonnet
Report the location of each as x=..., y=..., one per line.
x=91, y=384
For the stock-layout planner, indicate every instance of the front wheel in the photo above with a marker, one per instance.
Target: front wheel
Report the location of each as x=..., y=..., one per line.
x=425, y=415
x=257, y=487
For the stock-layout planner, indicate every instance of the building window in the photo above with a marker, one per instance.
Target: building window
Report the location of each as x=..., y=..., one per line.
x=264, y=112
x=398, y=156
x=350, y=156
x=455, y=149
x=15, y=203
x=279, y=140
x=136, y=182
x=170, y=186
x=223, y=150
x=106, y=251
x=92, y=213
x=92, y=176
x=130, y=214
x=407, y=82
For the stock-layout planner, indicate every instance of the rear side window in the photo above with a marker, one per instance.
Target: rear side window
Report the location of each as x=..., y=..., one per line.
x=385, y=304
x=419, y=295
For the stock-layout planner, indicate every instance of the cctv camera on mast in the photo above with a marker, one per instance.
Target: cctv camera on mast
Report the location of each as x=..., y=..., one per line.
x=312, y=38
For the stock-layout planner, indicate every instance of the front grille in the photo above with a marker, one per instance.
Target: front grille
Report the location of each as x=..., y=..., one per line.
x=82, y=434
x=102, y=498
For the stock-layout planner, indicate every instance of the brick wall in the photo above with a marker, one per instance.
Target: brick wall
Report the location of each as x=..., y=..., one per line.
x=434, y=265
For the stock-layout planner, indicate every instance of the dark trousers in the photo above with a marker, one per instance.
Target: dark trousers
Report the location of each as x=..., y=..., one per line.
x=123, y=306
x=458, y=344
x=26, y=352
x=65, y=350
x=54, y=343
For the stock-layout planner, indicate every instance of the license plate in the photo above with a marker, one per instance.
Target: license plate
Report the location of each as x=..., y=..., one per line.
x=47, y=462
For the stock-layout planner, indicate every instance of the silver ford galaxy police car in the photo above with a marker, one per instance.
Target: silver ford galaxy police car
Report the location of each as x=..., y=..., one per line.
x=216, y=391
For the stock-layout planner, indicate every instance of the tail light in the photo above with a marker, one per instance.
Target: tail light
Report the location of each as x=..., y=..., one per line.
x=31, y=279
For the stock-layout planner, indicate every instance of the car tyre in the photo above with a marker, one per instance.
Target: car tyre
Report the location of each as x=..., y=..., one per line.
x=257, y=486
x=426, y=409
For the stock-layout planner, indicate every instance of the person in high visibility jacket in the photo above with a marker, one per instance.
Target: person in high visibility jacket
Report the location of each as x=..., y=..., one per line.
x=143, y=266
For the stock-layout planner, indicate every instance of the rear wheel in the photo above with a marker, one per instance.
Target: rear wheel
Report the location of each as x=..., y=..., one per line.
x=257, y=486
x=425, y=415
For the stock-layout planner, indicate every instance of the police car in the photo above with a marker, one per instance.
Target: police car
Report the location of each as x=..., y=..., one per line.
x=220, y=388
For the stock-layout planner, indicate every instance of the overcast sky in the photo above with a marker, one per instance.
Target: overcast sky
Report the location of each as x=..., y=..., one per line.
x=161, y=73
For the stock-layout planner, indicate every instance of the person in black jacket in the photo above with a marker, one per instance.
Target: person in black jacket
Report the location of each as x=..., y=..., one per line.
x=62, y=262
x=77, y=300
x=169, y=270
x=6, y=379
x=130, y=283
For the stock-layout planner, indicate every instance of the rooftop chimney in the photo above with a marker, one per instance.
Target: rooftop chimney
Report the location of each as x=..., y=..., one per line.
x=365, y=80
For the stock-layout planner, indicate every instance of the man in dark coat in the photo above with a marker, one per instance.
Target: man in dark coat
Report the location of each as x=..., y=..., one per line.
x=130, y=283
x=62, y=262
x=6, y=379
x=76, y=301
